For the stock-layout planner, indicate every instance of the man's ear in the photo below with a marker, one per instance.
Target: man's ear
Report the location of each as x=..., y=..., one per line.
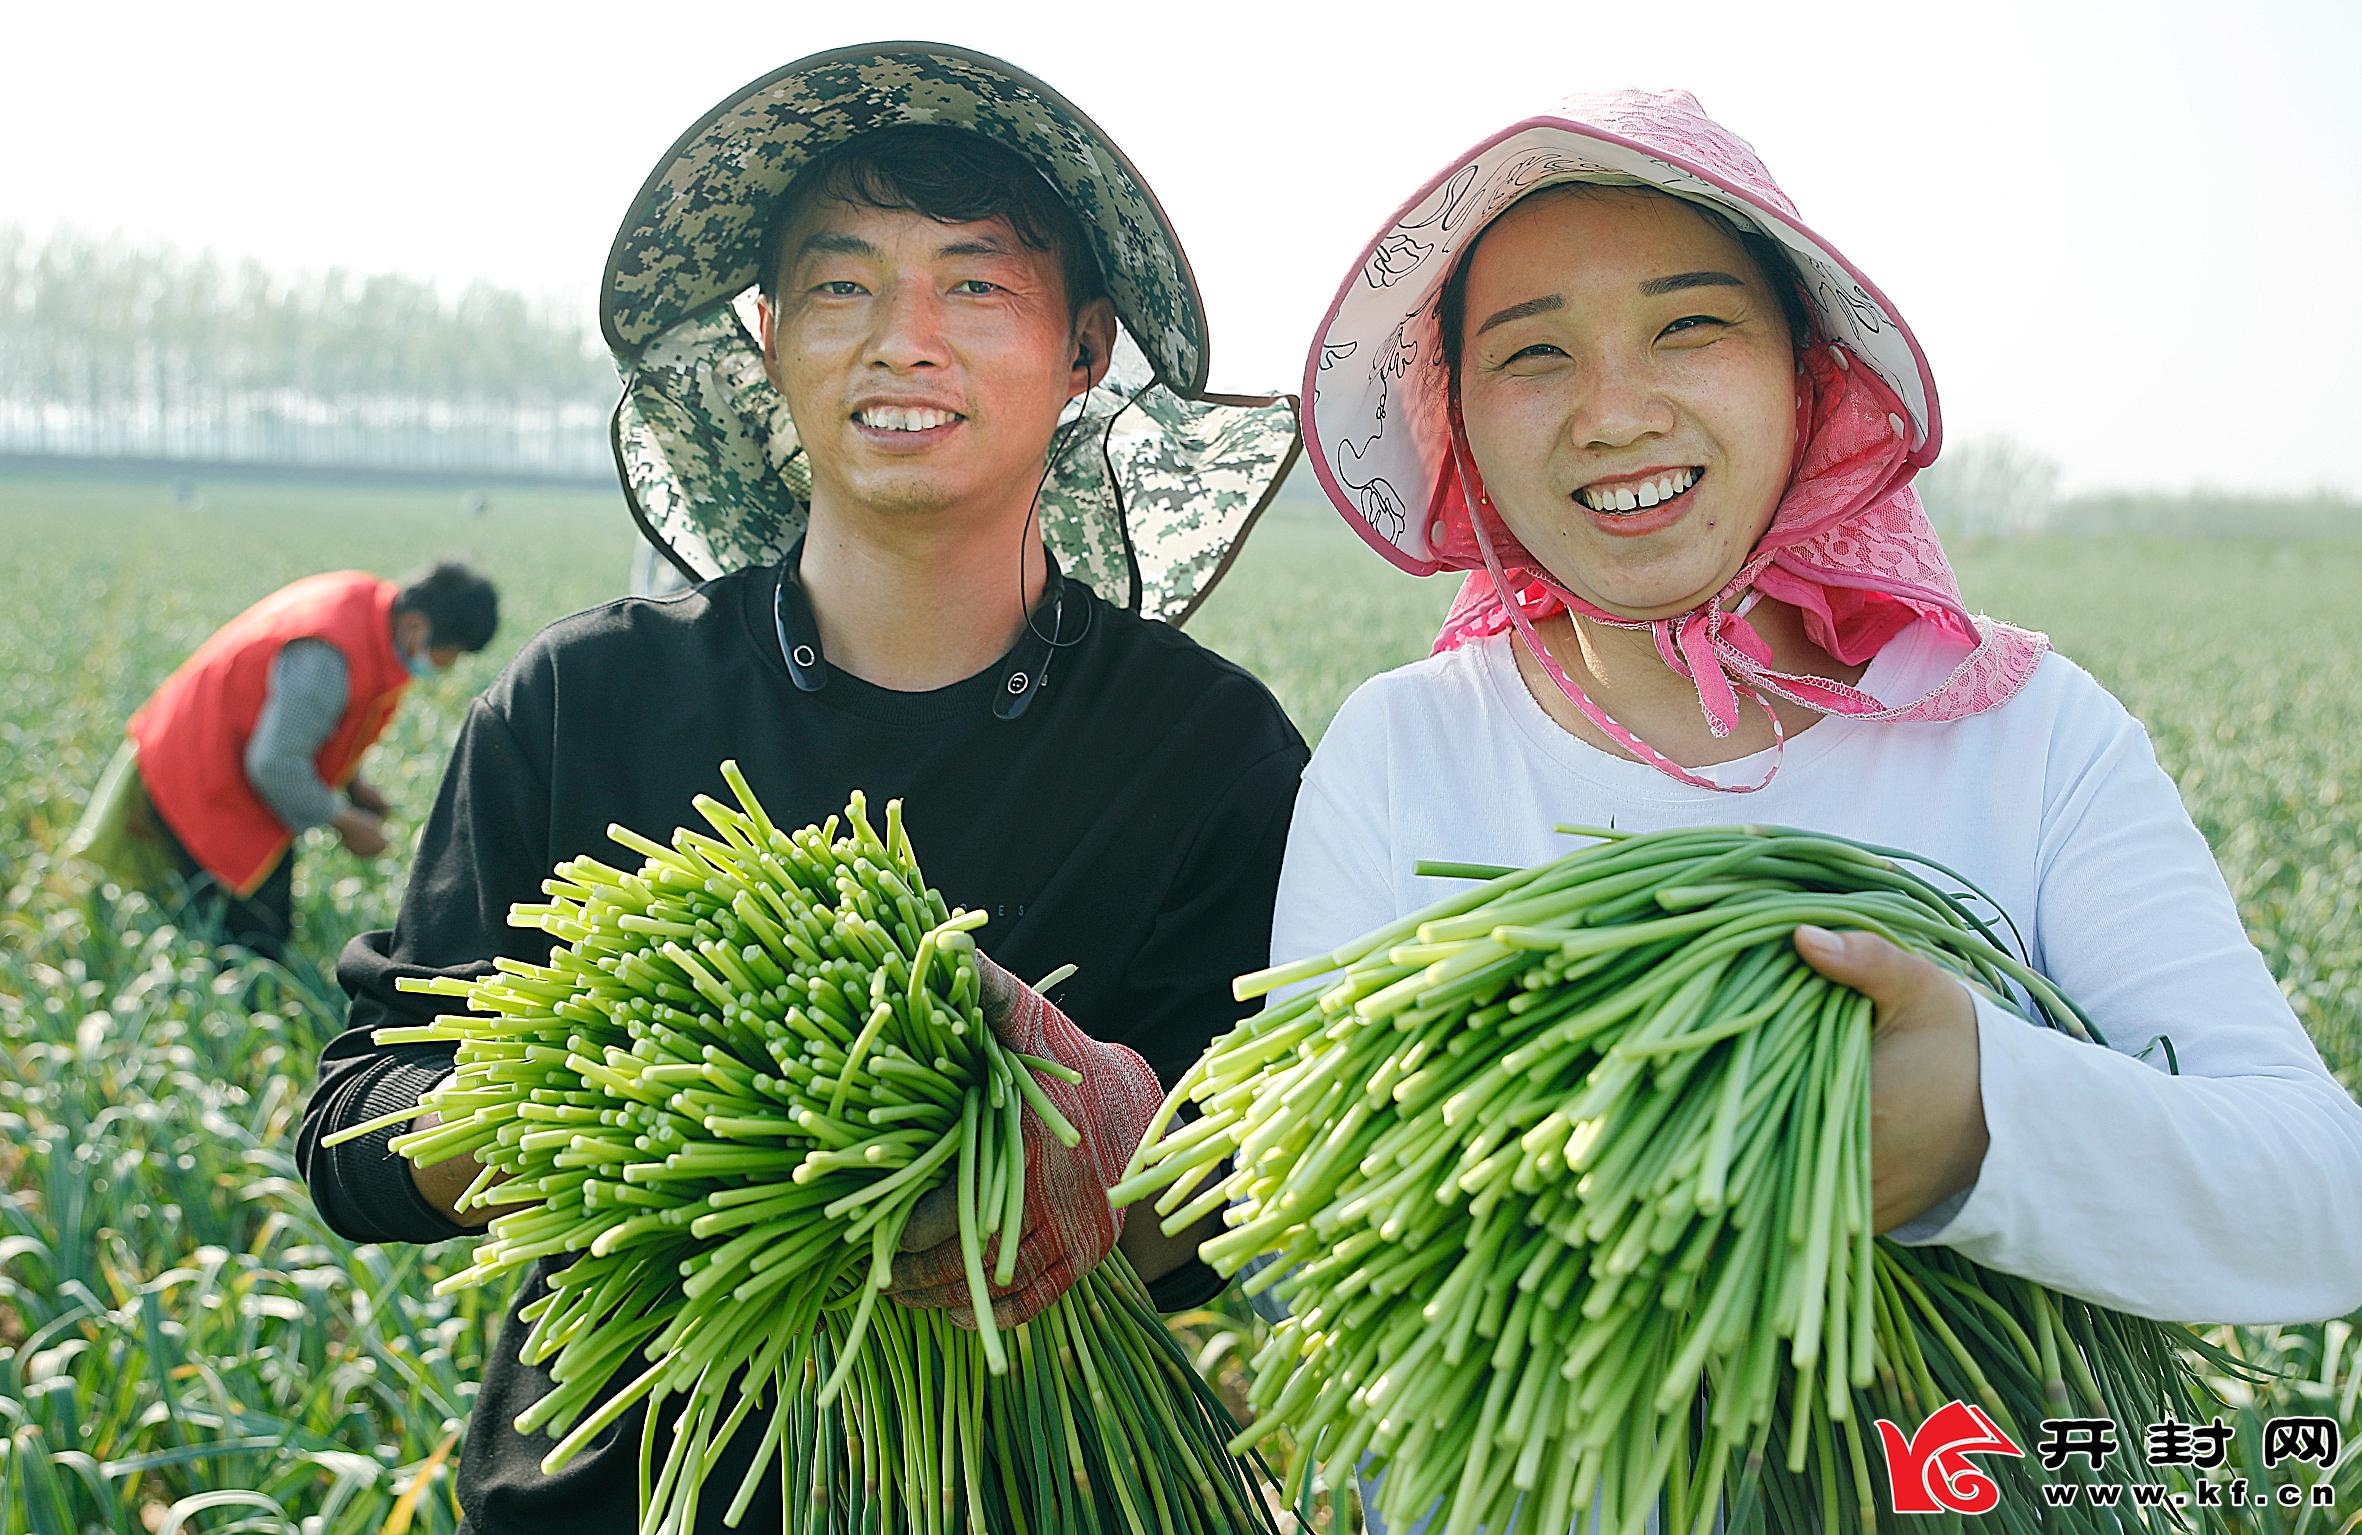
x=1094, y=346
x=767, y=330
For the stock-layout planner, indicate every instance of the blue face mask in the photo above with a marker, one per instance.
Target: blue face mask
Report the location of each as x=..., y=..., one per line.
x=421, y=664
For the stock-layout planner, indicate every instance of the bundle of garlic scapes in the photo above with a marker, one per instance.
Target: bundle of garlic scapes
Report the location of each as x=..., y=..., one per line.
x=1566, y=1181
x=719, y=1099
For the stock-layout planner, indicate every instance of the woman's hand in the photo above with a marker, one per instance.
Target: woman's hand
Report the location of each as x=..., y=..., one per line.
x=1927, y=1109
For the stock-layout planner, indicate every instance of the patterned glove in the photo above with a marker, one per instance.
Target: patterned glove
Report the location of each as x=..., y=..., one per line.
x=1069, y=1225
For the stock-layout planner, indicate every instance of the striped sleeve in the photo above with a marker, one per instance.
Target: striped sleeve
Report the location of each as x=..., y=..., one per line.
x=308, y=692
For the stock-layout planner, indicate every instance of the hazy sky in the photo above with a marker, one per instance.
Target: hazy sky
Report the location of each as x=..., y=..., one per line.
x=2127, y=234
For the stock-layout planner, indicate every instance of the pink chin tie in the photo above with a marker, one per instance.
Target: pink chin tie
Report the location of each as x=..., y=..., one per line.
x=1849, y=546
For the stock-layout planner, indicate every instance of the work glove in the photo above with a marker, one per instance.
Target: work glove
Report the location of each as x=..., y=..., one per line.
x=1069, y=1224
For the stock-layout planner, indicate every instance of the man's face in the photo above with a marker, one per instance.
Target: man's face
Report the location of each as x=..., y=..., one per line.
x=925, y=363
x=412, y=631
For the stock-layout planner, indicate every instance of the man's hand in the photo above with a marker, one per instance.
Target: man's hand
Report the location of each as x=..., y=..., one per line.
x=1927, y=1108
x=366, y=796
x=441, y=1183
x=361, y=831
x=929, y=1271
x=1069, y=1225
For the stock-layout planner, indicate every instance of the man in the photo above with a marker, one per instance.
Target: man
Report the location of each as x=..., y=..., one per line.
x=922, y=585
x=258, y=738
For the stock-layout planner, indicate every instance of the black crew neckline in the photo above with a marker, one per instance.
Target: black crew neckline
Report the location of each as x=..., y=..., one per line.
x=970, y=698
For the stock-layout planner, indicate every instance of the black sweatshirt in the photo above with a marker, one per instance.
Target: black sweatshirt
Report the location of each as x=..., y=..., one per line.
x=1131, y=822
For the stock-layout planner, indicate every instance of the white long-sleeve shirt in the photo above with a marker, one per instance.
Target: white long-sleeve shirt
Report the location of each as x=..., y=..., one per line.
x=2229, y=1193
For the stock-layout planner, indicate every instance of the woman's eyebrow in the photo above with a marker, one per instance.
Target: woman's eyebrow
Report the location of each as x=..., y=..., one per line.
x=1649, y=289
x=1542, y=305
x=1680, y=280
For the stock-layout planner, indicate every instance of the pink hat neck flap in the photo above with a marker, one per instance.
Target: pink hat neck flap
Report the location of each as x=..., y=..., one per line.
x=1848, y=544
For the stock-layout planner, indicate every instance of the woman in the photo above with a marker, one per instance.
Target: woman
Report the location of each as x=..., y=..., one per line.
x=1600, y=365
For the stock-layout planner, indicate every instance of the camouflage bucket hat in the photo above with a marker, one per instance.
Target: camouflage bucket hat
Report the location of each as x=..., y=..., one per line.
x=1154, y=482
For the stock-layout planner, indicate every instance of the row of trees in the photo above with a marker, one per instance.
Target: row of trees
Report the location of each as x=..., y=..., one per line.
x=1998, y=487
x=109, y=349
x=1989, y=486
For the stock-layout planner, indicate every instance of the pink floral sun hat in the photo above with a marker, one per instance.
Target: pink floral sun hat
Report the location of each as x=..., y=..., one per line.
x=1848, y=545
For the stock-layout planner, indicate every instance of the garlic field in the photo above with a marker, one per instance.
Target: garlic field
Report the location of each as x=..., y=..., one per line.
x=183, y=1346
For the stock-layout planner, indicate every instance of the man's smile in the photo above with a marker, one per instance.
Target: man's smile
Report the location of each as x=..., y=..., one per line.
x=905, y=427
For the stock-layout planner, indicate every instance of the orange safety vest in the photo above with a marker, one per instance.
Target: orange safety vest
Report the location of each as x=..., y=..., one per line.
x=192, y=733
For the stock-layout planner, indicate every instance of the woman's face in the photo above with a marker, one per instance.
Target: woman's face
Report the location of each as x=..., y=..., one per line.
x=1629, y=387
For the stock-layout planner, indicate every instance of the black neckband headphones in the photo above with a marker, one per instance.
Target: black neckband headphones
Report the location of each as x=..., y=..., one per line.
x=1023, y=674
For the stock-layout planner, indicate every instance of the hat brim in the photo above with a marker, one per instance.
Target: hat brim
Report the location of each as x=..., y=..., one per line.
x=1375, y=378
x=693, y=237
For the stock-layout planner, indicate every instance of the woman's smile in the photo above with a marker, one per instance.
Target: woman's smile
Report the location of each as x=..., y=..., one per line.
x=1631, y=505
